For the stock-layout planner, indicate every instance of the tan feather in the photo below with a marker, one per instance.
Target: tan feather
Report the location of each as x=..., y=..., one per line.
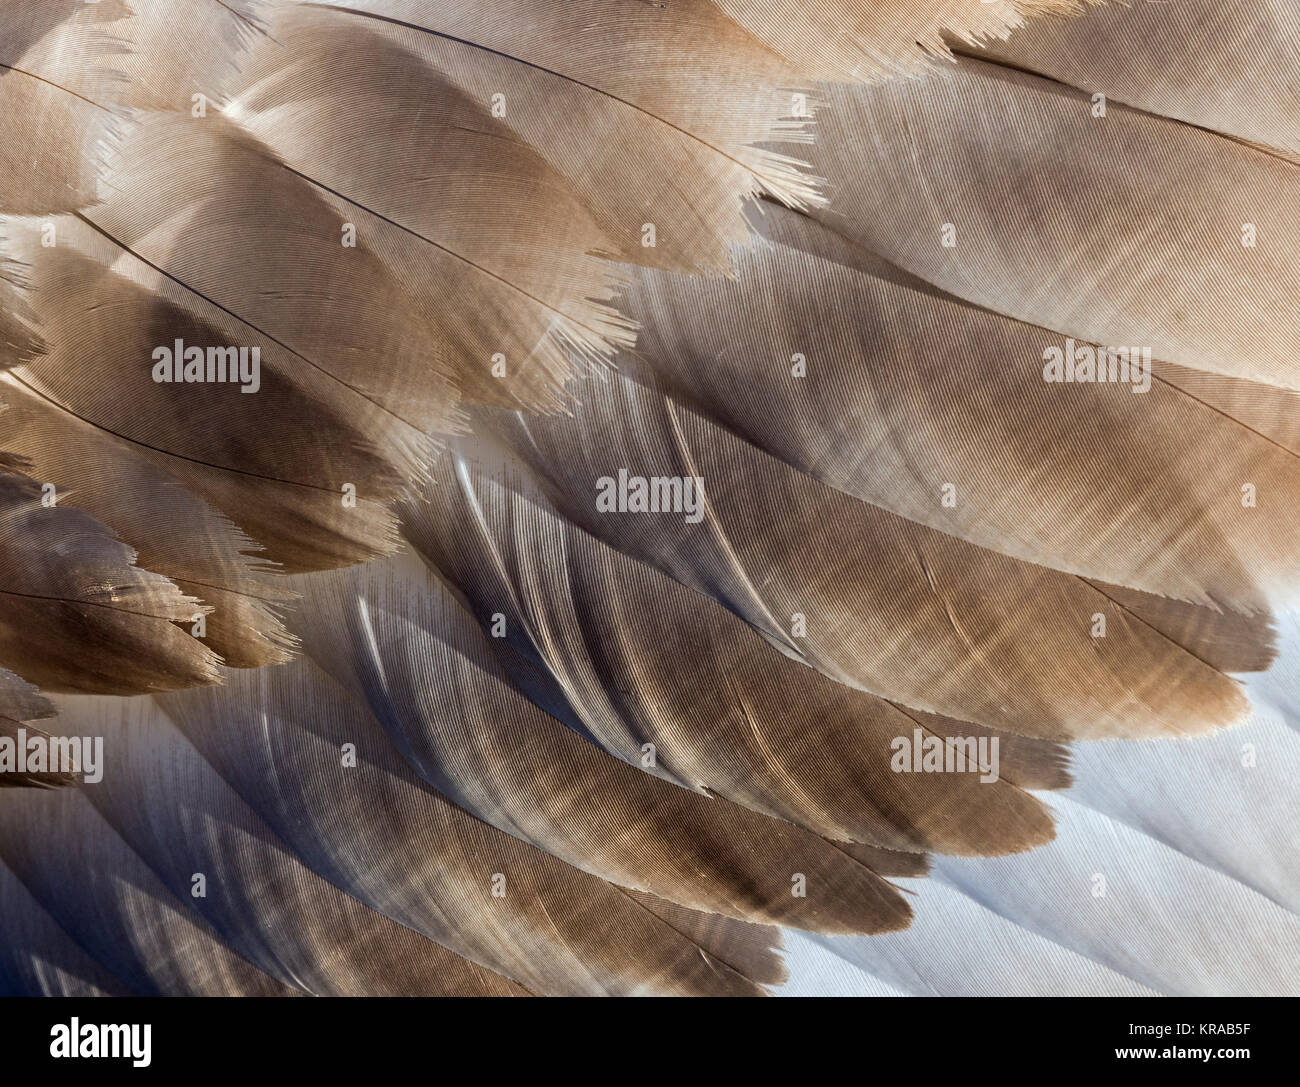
x=626, y=101
x=898, y=389
x=753, y=951
x=78, y=615
x=1148, y=253
x=1228, y=65
x=402, y=644
x=175, y=533
x=275, y=465
x=58, y=92
x=492, y=241
x=889, y=605
x=180, y=51
x=629, y=657
x=376, y=832
x=21, y=735
x=203, y=201
x=867, y=40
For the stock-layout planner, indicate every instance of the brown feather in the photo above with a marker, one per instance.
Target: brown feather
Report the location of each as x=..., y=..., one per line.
x=1148, y=253
x=399, y=640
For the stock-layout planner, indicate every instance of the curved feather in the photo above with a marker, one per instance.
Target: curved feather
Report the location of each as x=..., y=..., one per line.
x=178, y=50
x=78, y=615
x=626, y=100
x=889, y=605
x=398, y=639
x=175, y=534
x=1228, y=65
x=121, y=912
x=275, y=462
x=865, y=40
x=483, y=229
x=1138, y=222
x=374, y=830
x=37, y=957
x=886, y=389
x=181, y=819
x=488, y=236
x=629, y=657
x=58, y=92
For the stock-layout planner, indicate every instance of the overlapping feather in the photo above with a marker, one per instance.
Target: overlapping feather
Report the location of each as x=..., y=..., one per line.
x=430, y=217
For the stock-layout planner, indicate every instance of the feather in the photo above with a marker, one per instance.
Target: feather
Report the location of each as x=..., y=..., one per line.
x=78, y=615
x=1226, y=65
x=727, y=716
x=1225, y=803
x=20, y=705
x=1155, y=840
x=206, y=201
x=376, y=832
x=1148, y=253
x=181, y=820
x=122, y=914
x=1140, y=914
x=1229, y=642
x=625, y=101
x=963, y=947
x=865, y=40
x=20, y=701
x=751, y=950
x=401, y=643
x=177, y=51
x=56, y=93
x=19, y=735
x=175, y=534
x=889, y=606
x=39, y=957
x=275, y=465
x=494, y=242
x=897, y=390
x=534, y=222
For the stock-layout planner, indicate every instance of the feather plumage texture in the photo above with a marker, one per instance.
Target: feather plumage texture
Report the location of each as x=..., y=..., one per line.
x=78, y=614
x=404, y=645
x=378, y=834
x=1226, y=65
x=889, y=410
x=20, y=705
x=738, y=722
x=96, y=306
x=863, y=40
x=57, y=79
x=491, y=239
x=890, y=606
x=179, y=535
x=494, y=255
x=1149, y=253
x=626, y=100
